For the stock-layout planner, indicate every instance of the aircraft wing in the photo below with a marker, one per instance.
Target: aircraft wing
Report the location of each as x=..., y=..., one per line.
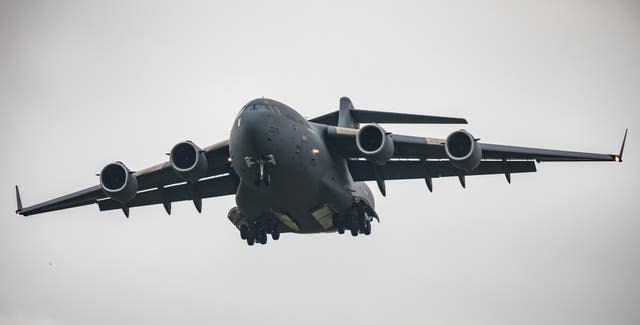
x=156, y=184
x=420, y=157
x=429, y=148
x=343, y=140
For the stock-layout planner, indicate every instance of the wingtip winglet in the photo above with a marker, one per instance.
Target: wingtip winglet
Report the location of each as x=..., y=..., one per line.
x=618, y=157
x=18, y=201
x=624, y=140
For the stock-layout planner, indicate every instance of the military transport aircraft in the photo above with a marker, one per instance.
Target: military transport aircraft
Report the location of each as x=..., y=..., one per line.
x=290, y=174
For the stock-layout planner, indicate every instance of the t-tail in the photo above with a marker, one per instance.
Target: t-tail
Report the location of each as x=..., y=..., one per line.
x=349, y=117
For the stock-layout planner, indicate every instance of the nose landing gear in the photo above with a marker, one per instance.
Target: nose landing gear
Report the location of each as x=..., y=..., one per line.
x=262, y=176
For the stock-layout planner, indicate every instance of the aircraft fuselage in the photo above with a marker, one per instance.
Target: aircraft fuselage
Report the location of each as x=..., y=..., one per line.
x=285, y=168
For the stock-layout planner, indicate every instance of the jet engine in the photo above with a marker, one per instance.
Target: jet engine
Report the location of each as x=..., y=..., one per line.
x=118, y=182
x=188, y=161
x=463, y=150
x=375, y=143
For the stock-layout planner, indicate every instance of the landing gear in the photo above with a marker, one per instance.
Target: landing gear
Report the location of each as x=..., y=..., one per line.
x=367, y=228
x=338, y=222
x=262, y=237
x=257, y=231
x=357, y=224
x=262, y=176
x=275, y=233
x=244, y=231
x=267, y=179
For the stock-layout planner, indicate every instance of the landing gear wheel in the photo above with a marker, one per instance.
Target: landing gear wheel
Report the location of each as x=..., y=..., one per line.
x=354, y=231
x=267, y=179
x=244, y=231
x=367, y=228
x=338, y=222
x=275, y=233
x=250, y=241
x=263, y=238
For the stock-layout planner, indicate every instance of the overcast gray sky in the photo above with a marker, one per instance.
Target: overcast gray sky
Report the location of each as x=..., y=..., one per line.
x=85, y=83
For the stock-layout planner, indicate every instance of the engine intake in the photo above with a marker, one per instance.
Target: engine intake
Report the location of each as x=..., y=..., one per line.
x=188, y=161
x=375, y=143
x=463, y=150
x=118, y=183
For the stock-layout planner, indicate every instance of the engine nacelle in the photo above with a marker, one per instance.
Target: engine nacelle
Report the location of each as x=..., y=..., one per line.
x=375, y=143
x=188, y=161
x=463, y=150
x=118, y=182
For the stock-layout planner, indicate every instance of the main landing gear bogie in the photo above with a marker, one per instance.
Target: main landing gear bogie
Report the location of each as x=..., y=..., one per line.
x=257, y=232
x=356, y=224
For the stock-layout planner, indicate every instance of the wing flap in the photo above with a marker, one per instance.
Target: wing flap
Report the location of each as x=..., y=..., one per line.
x=493, y=151
x=362, y=170
x=212, y=187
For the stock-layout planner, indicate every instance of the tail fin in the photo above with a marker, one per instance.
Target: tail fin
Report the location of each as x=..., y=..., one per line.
x=349, y=117
x=345, y=114
x=18, y=200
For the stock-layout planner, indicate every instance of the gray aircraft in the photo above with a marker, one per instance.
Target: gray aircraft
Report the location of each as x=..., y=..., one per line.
x=290, y=174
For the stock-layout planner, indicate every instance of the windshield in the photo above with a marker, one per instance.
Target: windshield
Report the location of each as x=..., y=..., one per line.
x=254, y=106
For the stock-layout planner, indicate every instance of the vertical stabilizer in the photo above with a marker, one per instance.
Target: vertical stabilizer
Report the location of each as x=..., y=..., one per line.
x=345, y=119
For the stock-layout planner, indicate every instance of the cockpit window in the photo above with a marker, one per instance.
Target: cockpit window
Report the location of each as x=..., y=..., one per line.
x=253, y=107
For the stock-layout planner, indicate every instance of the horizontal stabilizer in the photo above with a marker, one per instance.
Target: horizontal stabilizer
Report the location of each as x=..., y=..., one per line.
x=365, y=116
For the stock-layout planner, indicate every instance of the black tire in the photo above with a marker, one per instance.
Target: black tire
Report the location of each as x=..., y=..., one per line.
x=244, y=231
x=267, y=179
x=338, y=222
x=250, y=241
x=354, y=231
x=275, y=234
x=367, y=228
x=263, y=238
